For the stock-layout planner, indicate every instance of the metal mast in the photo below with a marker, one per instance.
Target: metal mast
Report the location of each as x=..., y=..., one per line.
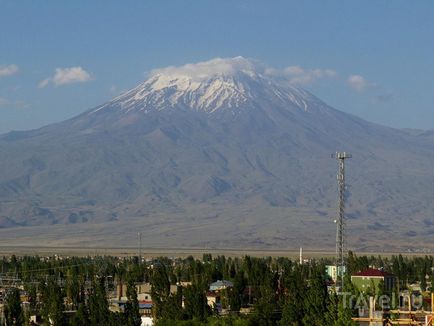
x=340, y=227
x=139, y=247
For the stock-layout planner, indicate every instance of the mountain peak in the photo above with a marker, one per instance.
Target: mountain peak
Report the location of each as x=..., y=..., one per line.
x=221, y=83
x=218, y=67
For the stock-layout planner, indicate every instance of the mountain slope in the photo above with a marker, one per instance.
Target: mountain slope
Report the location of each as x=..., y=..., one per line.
x=216, y=154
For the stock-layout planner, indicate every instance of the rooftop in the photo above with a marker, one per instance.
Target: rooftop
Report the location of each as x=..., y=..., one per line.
x=220, y=285
x=372, y=272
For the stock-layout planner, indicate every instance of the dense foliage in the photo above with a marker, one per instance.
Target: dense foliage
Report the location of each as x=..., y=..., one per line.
x=268, y=291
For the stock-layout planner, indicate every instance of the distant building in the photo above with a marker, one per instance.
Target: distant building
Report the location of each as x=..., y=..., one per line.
x=147, y=321
x=144, y=297
x=214, y=300
x=332, y=271
x=215, y=294
x=220, y=285
x=371, y=278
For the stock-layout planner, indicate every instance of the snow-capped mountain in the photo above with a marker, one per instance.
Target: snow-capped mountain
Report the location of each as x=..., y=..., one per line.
x=238, y=83
x=218, y=153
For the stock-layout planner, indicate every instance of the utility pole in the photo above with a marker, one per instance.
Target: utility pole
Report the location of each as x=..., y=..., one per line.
x=340, y=228
x=139, y=246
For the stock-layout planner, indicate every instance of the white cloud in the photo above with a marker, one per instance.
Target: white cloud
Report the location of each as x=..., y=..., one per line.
x=385, y=97
x=357, y=83
x=230, y=66
x=294, y=71
x=295, y=75
x=379, y=93
x=8, y=70
x=203, y=70
x=4, y=102
x=18, y=104
x=64, y=76
x=44, y=82
x=300, y=76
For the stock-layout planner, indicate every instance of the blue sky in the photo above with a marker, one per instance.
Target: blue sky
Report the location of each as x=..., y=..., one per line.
x=381, y=53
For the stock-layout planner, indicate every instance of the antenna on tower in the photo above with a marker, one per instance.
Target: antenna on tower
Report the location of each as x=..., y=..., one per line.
x=340, y=227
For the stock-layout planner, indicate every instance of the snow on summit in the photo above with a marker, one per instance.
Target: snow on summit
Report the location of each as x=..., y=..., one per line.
x=204, y=70
x=220, y=83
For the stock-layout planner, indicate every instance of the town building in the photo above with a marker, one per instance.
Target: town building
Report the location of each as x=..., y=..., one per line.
x=220, y=285
x=332, y=271
x=216, y=293
x=371, y=278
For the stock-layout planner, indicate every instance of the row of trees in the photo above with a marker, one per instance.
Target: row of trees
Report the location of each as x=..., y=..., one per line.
x=276, y=290
x=91, y=306
x=407, y=270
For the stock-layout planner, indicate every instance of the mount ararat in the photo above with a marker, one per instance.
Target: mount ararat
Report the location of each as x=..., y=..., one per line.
x=215, y=154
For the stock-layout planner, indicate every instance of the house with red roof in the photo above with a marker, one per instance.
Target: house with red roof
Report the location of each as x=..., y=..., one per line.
x=370, y=280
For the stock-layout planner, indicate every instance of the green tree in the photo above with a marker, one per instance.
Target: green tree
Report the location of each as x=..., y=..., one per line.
x=229, y=321
x=315, y=299
x=81, y=317
x=116, y=319
x=345, y=317
x=432, y=282
x=73, y=287
x=173, y=306
x=265, y=308
x=331, y=315
x=196, y=306
x=423, y=283
x=32, y=292
x=132, y=314
x=235, y=294
x=53, y=306
x=98, y=305
x=160, y=289
x=338, y=313
x=293, y=309
x=12, y=308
